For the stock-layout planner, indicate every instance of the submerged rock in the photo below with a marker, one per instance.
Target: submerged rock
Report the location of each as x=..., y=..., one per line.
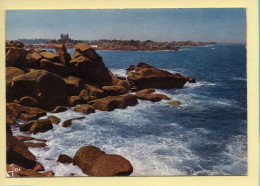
x=68, y=123
x=175, y=103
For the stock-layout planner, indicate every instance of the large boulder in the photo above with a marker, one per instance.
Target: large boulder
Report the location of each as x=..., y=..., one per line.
x=48, y=88
x=74, y=85
x=85, y=157
x=56, y=68
x=15, y=56
x=10, y=73
x=111, y=165
x=95, y=162
x=62, y=52
x=145, y=76
x=88, y=65
x=18, y=153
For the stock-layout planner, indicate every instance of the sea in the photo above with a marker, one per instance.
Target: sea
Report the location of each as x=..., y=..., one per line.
x=205, y=135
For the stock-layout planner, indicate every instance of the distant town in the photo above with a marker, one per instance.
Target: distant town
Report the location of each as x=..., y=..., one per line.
x=106, y=44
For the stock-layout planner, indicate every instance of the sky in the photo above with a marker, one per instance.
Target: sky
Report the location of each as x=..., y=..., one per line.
x=222, y=25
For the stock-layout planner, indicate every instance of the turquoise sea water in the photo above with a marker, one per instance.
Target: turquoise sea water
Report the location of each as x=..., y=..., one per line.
x=206, y=135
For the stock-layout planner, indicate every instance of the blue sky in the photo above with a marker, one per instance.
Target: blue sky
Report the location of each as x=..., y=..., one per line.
x=220, y=25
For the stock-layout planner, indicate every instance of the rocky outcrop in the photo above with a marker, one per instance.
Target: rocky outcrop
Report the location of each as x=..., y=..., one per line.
x=17, y=153
x=89, y=66
x=62, y=52
x=114, y=90
x=56, y=68
x=68, y=123
x=48, y=88
x=50, y=56
x=85, y=109
x=145, y=76
x=112, y=102
x=95, y=162
x=111, y=165
x=64, y=158
x=74, y=85
x=15, y=56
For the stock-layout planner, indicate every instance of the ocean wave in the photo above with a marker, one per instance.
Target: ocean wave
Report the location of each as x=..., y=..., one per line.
x=239, y=79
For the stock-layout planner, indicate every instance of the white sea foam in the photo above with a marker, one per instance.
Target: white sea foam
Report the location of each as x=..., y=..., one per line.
x=119, y=72
x=200, y=84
